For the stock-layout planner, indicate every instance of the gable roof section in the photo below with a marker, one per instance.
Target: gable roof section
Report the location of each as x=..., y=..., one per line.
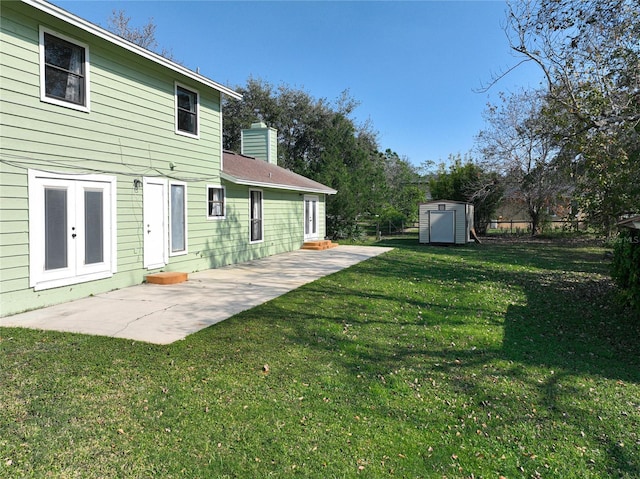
x=246, y=170
x=100, y=32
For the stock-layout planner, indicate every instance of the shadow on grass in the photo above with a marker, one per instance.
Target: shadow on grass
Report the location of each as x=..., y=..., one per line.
x=567, y=323
x=567, y=320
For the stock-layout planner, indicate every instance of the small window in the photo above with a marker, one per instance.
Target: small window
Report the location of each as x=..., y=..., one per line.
x=64, y=71
x=215, y=202
x=442, y=207
x=178, y=218
x=255, y=213
x=186, y=111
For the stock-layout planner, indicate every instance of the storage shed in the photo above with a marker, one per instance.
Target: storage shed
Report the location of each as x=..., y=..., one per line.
x=446, y=222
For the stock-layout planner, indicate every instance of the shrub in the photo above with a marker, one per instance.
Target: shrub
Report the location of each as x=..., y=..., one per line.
x=625, y=269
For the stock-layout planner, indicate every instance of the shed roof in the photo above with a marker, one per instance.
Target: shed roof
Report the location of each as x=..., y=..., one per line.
x=433, y=202
x=247, y=170
x=632, y=223
x=89, y=27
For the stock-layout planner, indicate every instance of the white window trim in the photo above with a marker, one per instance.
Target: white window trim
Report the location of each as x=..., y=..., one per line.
x=43, y=90
x=261, y=240
x=186, y=221
x=224, y=203
x=36, y=220
x=175, y=110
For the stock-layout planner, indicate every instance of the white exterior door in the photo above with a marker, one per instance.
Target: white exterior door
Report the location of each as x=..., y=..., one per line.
x=72, y=228
x=310, y=217
x=155, y=222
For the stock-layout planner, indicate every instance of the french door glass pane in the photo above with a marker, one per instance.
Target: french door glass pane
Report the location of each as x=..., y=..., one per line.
x=177, y=218
x=314, y=216
x=55, y=228
x=94, y=227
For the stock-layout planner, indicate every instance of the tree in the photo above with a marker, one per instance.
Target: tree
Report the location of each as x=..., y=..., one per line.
x=469, y=182
x=317, y=139
x=352, y=167
x=405, y=187
x=143, y=36
x=299, y=118
x=518, y=144
x=590, y=55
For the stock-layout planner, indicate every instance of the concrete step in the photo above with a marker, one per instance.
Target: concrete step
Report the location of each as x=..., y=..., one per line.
x=167, y=277
x=319, y=245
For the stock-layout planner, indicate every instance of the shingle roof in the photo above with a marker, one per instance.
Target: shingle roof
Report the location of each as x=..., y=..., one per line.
x=246, y=170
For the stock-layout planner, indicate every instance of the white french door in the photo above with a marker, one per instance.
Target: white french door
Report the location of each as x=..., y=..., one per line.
x=155, y=216
x=310, y=217
x=72, y=230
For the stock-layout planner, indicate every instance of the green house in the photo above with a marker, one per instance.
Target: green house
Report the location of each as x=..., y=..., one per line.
x=112, y=167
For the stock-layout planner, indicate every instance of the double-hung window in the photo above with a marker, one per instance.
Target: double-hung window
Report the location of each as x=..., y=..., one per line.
x=255, y=213
x=215, y=202
x=64, y=71
x=187, y=110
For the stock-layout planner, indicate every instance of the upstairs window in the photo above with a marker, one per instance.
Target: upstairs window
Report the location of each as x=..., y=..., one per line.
x=186, y=111
x=64, y=71
x=215, y=202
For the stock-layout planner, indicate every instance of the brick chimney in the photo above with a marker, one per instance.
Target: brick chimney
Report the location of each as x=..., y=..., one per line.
x=260, y=141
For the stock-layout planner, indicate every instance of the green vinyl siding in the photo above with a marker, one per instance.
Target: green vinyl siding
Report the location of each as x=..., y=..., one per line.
x=260, y=143
x=254, y=143
x=129, y=134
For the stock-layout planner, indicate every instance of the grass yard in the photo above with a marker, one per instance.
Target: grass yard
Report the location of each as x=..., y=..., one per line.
x=495, y=360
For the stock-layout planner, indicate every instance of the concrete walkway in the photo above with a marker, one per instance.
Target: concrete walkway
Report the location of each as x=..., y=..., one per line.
x=162, y=314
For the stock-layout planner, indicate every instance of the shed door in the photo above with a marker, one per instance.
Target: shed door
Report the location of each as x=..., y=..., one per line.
x=442, y=226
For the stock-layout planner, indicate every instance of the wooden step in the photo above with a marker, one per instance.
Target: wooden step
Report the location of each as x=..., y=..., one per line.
x=319, y=245
x=167, y=277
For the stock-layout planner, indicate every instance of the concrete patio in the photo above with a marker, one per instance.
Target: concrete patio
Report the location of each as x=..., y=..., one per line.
x=162, y=314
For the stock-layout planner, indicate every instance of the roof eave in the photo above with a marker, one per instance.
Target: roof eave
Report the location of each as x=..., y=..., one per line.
x=100, y=32
x=262, y=184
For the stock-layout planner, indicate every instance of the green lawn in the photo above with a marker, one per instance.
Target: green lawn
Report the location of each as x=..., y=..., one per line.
x=501, y=359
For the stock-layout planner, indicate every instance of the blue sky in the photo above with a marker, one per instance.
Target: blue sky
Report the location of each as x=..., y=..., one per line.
x=412, y=65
